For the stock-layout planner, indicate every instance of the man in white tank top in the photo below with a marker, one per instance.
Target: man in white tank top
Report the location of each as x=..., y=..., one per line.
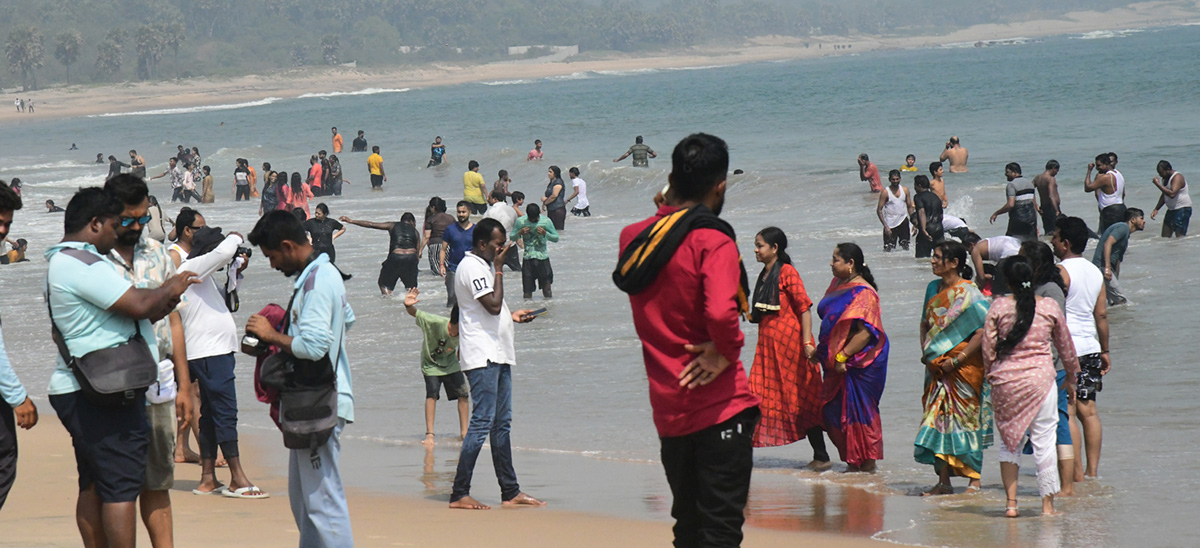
x=1087, y=319
x=895, y=205
x=1175, y=197
x=1109, y=187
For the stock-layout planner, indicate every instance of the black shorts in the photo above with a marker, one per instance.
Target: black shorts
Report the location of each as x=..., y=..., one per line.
x=111, y=445
x=455, y=383
x=401, y=267
x=477, y=209
x=1089, y=380
x=376, y=181
x=585, y=212
x=536, y=273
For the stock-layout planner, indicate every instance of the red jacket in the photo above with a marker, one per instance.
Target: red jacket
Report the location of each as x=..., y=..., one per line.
x=693, y=300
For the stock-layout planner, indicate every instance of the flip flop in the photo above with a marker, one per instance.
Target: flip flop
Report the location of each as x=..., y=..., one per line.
x=241, y=493
x=218, y=491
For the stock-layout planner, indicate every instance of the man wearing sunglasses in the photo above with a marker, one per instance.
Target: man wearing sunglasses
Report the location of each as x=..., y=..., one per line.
x=145, y=263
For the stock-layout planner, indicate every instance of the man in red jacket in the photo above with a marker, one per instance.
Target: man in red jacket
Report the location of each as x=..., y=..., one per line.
x=687, y=289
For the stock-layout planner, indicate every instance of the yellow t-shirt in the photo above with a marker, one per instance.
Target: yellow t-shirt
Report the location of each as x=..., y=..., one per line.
x=375, y=164
x=906, y=168
x=473, y=185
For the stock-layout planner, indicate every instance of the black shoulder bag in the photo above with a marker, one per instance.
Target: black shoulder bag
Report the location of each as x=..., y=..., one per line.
x=109, y=377
x=308, y=397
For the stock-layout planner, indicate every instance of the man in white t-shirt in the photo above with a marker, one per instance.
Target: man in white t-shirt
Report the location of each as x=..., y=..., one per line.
x=486, y=355
x=501, y=211
x=581, y=207
x=990, y=249
x=1087, y=319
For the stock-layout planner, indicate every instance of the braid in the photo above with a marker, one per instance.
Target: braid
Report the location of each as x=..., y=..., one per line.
x=1019, y=275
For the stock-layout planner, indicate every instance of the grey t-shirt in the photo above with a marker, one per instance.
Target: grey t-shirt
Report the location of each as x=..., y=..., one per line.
x=1019, y=188
x=1052, y=291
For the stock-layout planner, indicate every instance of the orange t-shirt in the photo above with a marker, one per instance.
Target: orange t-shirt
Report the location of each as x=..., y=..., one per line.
x=337, y=143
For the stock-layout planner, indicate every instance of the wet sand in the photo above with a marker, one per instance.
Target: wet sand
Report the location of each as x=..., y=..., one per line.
x=286, y=84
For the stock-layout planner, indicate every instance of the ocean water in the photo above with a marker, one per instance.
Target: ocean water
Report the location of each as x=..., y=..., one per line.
x=582, y=423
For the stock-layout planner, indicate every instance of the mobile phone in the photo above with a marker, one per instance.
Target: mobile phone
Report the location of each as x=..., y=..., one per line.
x=538, y=312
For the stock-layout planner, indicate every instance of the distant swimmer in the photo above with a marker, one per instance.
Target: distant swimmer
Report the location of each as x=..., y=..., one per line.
x=536, y=153
x=910, y=163
x=936, y=183
x=437, y=152
x=956, y=154
x=73, y=147
x=1020, y=204
x=51, y=208
x=1047, y=187
x=641, y=153
x=99, y=158
x=337, y=141
x=867, y=171
x=359, y=144
x=1175, y=196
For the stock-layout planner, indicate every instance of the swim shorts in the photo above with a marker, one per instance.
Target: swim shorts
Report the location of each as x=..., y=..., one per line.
x=1178, y=220
x=454, y=383
x=1089, y=379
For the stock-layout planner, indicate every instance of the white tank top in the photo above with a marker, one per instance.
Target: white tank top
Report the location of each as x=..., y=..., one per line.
x=1181, y=199
x=1118, y=195
x=1086, y=282
x=895, y=211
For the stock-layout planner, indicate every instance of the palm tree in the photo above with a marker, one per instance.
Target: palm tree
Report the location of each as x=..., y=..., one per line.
x=174, y=34
x=24, y=52
x=108, y=57
x=149, y=44
x=329, y=48
x=67, y=50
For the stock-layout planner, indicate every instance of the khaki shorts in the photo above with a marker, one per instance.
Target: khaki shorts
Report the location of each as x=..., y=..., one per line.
x=160, y=459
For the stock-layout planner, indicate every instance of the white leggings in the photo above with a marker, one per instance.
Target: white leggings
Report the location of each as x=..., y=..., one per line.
x=1042, y=435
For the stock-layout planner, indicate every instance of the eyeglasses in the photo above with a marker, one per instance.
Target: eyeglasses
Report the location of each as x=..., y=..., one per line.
x=938, y=258
x=127, y=221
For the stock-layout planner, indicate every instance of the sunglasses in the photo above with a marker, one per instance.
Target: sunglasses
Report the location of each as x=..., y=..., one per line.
x=127, y=221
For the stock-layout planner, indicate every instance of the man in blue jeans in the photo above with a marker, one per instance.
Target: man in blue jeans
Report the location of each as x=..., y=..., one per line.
x=485, y=338
x=321, y=317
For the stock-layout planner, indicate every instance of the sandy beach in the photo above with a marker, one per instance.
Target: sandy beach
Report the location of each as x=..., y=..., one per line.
x=40, y=511
x=286, y=84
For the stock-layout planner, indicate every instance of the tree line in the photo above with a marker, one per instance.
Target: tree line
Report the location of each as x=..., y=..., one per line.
x=115, y=40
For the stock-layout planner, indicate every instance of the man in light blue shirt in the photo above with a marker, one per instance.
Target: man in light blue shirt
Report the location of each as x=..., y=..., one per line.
x=94, y=308
x=20, y=411
x=318, y=324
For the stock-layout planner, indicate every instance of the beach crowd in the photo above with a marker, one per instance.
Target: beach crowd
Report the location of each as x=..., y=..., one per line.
x=1014, y=331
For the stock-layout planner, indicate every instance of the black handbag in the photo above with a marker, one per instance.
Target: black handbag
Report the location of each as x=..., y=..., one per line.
x=308, y=397
x=111, y=377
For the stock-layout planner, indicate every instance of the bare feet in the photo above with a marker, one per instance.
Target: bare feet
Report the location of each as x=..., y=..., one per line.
x=186, y=455
x=469, y=503
x=819, y=465
x=939, y=489
x=867, y=467
x=428, y=441
x=1048, y=507
x=973, y=487
x=522, y=500
x=1011, y=511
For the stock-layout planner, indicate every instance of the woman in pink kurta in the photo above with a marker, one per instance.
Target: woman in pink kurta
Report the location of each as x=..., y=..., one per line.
x=1017, y=337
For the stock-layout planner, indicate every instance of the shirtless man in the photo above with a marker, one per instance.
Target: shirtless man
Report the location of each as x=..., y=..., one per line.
x=1109, y=190
x=936, y=183
x=957, y=154
x=1047, y=187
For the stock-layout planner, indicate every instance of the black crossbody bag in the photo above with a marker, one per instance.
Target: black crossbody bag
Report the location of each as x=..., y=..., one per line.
x=308, y=397
x=109, y=377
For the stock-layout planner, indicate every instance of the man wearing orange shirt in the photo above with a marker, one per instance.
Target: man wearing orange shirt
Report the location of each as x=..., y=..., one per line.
x=337, y=142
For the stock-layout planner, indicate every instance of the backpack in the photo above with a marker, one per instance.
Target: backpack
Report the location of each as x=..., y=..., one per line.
x=308, y=397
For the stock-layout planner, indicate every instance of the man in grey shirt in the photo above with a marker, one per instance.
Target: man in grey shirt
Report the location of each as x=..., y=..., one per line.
x=1021, y=205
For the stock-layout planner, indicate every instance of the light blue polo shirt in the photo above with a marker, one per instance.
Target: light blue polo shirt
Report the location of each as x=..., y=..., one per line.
x=81, y=289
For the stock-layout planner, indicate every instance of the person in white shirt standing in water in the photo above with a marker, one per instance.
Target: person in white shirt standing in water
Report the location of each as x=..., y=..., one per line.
x=581, y=207
x=485, y=336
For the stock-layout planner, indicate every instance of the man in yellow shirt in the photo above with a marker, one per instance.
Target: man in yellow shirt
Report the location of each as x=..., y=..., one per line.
x=337, y=142
x=474, y=189
x=375, y=165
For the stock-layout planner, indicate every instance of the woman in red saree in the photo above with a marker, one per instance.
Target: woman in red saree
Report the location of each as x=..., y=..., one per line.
x=783, y=376
x=853, y=350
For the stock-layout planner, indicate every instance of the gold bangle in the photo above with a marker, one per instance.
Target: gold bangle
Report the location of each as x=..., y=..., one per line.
x=841, y=358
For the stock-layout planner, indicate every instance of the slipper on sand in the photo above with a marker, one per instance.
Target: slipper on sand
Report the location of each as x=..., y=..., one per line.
x=245, y=493
x=218, y=491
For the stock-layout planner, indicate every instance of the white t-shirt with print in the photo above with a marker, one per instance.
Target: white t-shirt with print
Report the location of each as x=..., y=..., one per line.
x=482, y=336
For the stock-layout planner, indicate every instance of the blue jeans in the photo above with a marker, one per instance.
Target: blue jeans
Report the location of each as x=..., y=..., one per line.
x=218, y=405
x=317, y=497
x=491, y=392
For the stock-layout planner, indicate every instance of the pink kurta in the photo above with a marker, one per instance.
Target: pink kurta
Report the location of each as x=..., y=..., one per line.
x=1021, y=379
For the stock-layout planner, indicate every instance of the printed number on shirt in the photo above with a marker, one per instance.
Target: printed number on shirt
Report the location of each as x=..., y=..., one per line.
x=480, y=284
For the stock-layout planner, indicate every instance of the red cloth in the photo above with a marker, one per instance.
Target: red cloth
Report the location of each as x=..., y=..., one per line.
x=788, y=383
x=274, y=314
x=693, y=300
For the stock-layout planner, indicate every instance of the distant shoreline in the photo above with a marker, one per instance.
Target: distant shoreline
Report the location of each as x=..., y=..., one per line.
x=218, y=93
